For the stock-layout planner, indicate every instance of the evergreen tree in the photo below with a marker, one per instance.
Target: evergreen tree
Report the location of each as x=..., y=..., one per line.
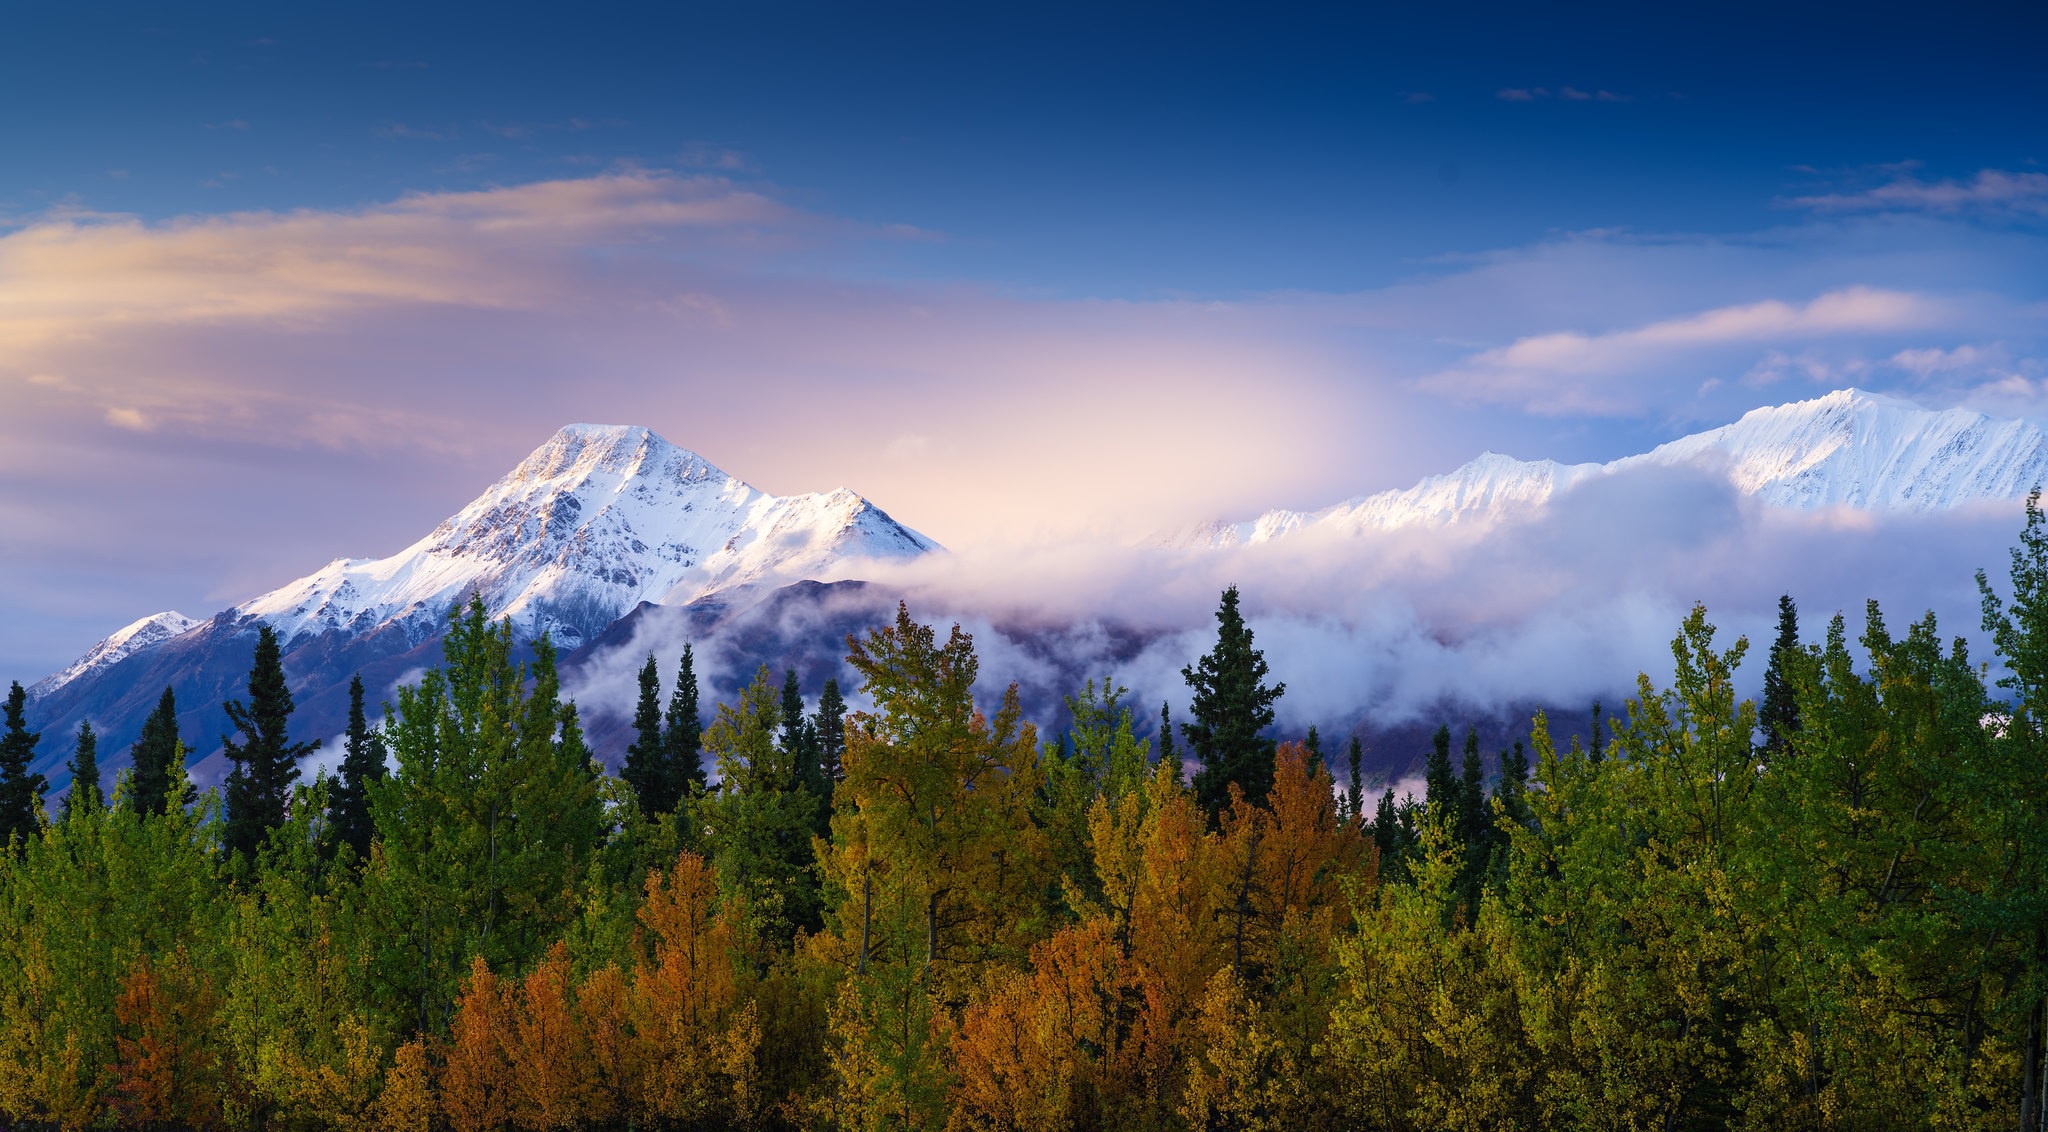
x=1232, y=708
x=1779, y=714
x=800, y=737
x=760, y=821
x=1597, y=745
x=84, y=795
x=685, y=730
x=646, y=768
x=1514, y=783
x=1475, y=828
x=1169, y=754
x=1356, y=791
x=1440, y=784
x=265, y=761
x=362, y=763
x=831, y=725
x=20, y=792
x=1314, y=746
x=1389, y=837
x=158, y=782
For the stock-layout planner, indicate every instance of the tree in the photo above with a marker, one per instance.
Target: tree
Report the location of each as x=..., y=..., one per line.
x=686, y=728
x=362, y=763
x=1232, y=708
x=760, y=820
x=1440, y=783
x=1169, y=754
x=158, y=781
x=266, y=761
x=831, y=724
x=1779, y=714
x=1355, y=791
x=647, y=767
x=85, y=795
x=21, y=793
x=800, y=738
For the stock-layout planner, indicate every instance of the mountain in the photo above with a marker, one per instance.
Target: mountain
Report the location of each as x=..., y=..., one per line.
x=1850, y=448
x=597, y=522
x=152, y=630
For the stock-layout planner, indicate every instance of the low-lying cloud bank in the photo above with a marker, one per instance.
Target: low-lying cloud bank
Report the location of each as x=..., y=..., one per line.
x=1561, y=607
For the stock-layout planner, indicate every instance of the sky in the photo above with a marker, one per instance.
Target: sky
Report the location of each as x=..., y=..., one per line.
x=285, y=283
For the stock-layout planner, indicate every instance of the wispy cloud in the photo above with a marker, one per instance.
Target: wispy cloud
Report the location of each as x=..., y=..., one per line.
x=1564, y=93
x=1991, y=190
x=1569, y=372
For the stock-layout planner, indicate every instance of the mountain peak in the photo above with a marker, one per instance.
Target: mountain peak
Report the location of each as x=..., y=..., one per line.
x=593, y=522
x=122, y=643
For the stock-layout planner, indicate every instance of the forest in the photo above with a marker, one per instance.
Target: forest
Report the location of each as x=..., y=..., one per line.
x=1824, y=910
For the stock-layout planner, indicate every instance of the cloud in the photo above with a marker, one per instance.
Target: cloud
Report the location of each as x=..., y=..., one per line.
x=1573, y=372
x=1991, y=190
x=1521, y=94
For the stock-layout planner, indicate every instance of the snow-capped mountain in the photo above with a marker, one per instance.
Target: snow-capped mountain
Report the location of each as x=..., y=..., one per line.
x=597, y=520
x=154, y=629
x=1850, y=448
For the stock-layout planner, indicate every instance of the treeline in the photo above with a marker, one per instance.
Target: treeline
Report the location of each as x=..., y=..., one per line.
x=1830, y=912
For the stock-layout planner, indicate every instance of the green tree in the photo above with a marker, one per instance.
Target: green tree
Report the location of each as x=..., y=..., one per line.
x=799, y=738
x=1440, y=783
x=759, y=821
x=1232, y=708
x=1779, y=715
x=266, y=761
x=647, y=767
x=21, y=793
x=1169, y=753
x=158, y=782
x=362, y=765
x=486, y=826
x=831, y=724
x=685, y=729
x=85, y=794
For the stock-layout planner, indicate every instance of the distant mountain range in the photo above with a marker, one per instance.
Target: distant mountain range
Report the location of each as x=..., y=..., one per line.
x=603, y=529
x=1849, y=448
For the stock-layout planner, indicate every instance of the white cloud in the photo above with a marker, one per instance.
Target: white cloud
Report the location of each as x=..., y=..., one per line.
x=1568, y=372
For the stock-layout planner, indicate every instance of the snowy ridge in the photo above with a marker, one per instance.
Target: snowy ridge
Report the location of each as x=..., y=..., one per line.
x=1850, y=448
x=124, y=642
x=597, y=520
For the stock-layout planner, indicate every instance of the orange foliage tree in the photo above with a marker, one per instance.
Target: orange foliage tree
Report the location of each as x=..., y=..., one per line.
x=168, y=1073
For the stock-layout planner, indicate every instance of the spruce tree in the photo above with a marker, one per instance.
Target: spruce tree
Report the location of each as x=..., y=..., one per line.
x=1314, y=745
x=20, y=791
x=1169, y=754
x=1440, y=784
x=646, y=767
x=1514, y=783
x=831, y=724
x=1389, y=837
x=1356, y=791
x=1473, y=827
x=1597, y=745
x=685, y=731
x=799, y=737
x=265, y=761
x=84, y=795
x=158, y=781
x=362, y=763
x=1779, y=714
x=1232, y=708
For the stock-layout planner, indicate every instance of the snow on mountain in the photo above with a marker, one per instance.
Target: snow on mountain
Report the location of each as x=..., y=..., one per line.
x=597, y=520
x=154, y=629
x=1849, y=448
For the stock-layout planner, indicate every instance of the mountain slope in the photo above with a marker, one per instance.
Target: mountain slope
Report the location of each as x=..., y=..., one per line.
x=124, y=642
x=596, y=521
x=1849, y=448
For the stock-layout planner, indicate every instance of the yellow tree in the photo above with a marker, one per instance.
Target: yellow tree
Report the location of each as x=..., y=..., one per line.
x=940, y=871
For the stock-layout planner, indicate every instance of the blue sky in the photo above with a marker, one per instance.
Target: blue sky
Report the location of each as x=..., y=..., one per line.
x=338, y=267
